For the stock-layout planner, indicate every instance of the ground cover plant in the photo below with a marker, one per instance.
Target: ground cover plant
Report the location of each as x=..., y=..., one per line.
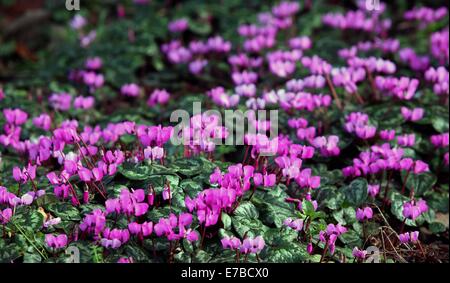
x=350, y=164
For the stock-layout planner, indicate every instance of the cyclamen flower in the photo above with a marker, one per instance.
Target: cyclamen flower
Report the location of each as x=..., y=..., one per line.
x=155, y=153
x=425, y=15
x=165, y=227
x=197, y=66
x=5, y=215
x=331, y=234
x=252, y=245
x=316, y=65
x=93, y=80
x=414, y=209
x=267, y=180
x=409, y=237
x=403, y=88
x=125, y=260
x=360, y=254
x=131, y=90
x=60, y=101
x=221, y=98
x=15, y=117
x=78, y=22
x=24, y=175
x=93, y=63
x=440, y=78
x=406, y=140
x=415, y=62
x=232, y=243
x=387, y=135
x=328, y=146
x=145, y=229
x=43, y=121
x=440, y=141
x=417, y=166
x=94, y=223
x=56, y=242
x=302, y=43
x=81, y=102
x=306, y=180
x=129, y=203
x=160, y=97
x=2, y=94
x=179, y=25
x=413, y=115
x=296, y=225
x=364, y=214
x=373, y=190
x=114, y=238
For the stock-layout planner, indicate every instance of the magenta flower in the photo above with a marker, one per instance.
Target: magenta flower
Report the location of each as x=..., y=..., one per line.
x=24, y=175
x=197, y=66
x=81, y=102
x=296, y=225
x=252, y=245
x=328, y=146
x=441, y=140
x=364, y=214
x=387, y=135
x=413, y=115
x=267, y=180
x=232, y=243
x=85, y=174
x=406, y=140
x=124, y=260
x=93, y=63
x=413, y=209
x=43, y=121
x=373, y=190
x=5, y=215
x=56, y=242
x=160, y=97
x=404, y=238
x=359, y=254
x=15, y=117
x=131, y=90
x=60, y=101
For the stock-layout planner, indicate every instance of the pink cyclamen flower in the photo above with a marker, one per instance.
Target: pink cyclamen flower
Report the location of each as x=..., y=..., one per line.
x=43, y=121
x=413, y=209
x=2, y=94
x=15, y=117
x=406, y=140
x=60, y=101
x=360, y=254
x=93, y=63
x=81, y=102
x=160, y=97
x=232, y=243
x=364, y=214
x=265, y=180
x=373, y=190
x=253, y=246
x=131, y=90
x=24, y=175
x=5, y=215
x=413, y=115
x=56, y=242
x=387, y=135
x=179, y=25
